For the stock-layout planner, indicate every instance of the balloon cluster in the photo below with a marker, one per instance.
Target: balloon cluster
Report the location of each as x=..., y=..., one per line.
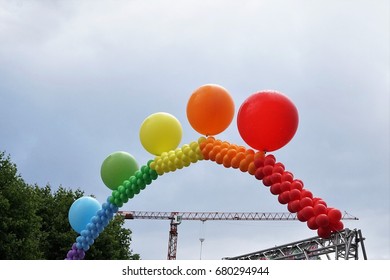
x=266, y=121
x=290, y=191
x=131, y=187
x=177, y=159
x=300, y=200
x=92, y=230
x=229, y=155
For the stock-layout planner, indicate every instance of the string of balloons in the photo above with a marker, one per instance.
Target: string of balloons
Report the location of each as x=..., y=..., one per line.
x=266, y=121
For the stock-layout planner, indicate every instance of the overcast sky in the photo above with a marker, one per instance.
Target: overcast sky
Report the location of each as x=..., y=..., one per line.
x=77, y=78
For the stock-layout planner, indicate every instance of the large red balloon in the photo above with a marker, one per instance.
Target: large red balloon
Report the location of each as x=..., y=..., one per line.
x=267, y=120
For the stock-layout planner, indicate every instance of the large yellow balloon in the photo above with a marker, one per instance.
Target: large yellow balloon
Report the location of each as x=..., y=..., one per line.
x=160, y=132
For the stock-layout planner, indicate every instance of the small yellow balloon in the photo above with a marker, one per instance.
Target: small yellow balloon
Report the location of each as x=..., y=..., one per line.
x=160, y=132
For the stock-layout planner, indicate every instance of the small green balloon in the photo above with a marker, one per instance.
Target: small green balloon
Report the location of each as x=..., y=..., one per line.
x=116, y=168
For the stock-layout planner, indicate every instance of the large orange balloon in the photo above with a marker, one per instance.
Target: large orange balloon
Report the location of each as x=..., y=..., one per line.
x=267, y=120
x=210, y=109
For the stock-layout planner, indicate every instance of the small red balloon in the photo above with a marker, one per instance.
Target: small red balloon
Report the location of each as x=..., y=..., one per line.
x=322, y=220
x=284, y=197
x=267, y=181
x=259, y=162
x=334, y=215
x=267, y=120
x=276, y=178
x=306, y=201
x=259, y=173
x=287, y=176
x=295, y=194
x=337, y=226
x=297, y=184
x=285, y=186
x=311, y=223
x=300, y=217
x=306, y=193
x=278, y=168
x=319, y=200
x=319, y=209
x=307, y=212
x=293, y=206
x=275, y=189
x=324, y=232
x=269, y=160
x=267, y=170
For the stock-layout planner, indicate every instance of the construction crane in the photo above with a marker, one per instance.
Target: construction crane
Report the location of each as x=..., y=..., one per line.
x=177, y=217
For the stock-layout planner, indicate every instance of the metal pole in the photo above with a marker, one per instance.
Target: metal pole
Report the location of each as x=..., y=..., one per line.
x=201, y=247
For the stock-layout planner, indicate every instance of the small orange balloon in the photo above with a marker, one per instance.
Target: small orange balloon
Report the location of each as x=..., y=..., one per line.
x=210, y=109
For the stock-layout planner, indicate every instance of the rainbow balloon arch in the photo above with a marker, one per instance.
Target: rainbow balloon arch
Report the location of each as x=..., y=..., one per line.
x=266, y=121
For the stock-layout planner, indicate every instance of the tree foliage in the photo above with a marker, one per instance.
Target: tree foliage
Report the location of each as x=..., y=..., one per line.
x=34, y=222
x=19, y=224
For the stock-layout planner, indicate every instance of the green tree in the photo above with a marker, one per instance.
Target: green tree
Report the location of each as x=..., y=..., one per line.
x=19, y=225
x=34, y=222
x=56, y=230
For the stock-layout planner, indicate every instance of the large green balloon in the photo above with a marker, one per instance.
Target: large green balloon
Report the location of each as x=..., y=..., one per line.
x=116, y=168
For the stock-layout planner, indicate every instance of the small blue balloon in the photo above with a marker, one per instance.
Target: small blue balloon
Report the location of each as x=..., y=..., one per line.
x=90, y=240
x=114, y=208
x=99, y=227
x=100, y=212
x=94, y=234
x=85, y=246
x=82, y=211
x=109, y=214
x=91, y=226
x=95, y=220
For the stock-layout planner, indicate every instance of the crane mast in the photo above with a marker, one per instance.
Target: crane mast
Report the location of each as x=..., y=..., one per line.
x=177, y=217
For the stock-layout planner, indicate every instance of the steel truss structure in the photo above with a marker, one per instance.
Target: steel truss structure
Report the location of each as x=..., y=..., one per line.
x=342, y=245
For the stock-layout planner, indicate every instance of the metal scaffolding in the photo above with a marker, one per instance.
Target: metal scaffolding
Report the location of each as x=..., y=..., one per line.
x=344, y=245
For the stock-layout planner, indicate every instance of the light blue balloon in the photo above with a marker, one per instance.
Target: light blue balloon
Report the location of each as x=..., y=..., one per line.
x=85, y=246
x=82, y=211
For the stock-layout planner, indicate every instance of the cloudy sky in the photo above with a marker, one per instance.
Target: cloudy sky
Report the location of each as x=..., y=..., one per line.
x=77, y=78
